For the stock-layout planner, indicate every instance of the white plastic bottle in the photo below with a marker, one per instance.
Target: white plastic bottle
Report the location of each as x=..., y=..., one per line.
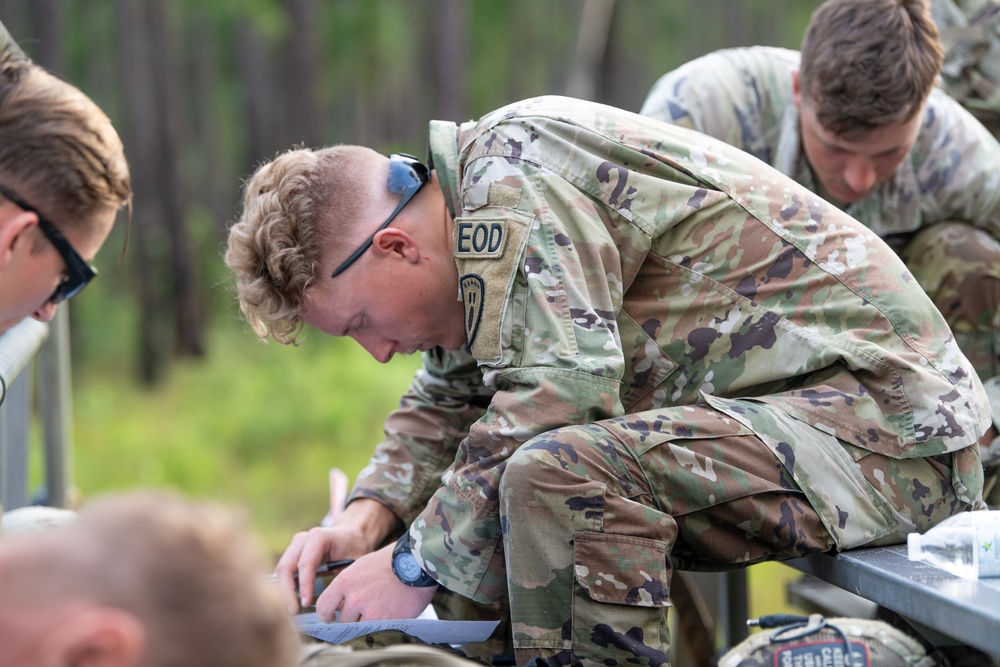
x=967, y=545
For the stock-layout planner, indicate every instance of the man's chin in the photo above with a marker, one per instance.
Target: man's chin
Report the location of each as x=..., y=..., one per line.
x=454, y=345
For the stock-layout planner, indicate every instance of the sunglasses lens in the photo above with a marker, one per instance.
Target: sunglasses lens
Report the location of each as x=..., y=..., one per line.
x=59, y=295
x=405, y=173
x=67, y=288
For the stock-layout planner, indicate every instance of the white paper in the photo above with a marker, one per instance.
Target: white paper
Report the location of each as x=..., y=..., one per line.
x=426, y=628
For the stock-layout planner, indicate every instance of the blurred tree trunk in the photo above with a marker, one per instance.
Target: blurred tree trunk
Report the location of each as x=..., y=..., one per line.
x=186, y=303
x=586, y=75
x=15, y=17
x=262, y=101
x=169, y=305
x=138, y=129
x=738, y=27
x=204, y=69
x=522, y=47
x=48, y=18
x=301, y=77
x=447, y=32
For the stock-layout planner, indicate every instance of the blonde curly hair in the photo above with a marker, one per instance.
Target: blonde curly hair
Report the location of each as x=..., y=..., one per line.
x=293, y=209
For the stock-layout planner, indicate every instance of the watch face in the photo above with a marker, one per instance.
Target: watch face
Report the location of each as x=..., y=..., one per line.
x=407, y=567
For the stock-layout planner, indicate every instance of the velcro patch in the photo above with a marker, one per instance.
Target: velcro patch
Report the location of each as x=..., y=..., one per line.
x=504, y=196
x=473, y=293
x=480, y=238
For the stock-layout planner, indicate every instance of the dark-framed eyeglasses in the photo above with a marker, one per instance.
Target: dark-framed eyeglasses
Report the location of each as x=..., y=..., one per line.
x=78, y=271
x=406, y=176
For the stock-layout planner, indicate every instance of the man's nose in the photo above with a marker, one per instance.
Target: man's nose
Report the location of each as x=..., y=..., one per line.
x=381, y=350
x=46, y=312
x=860, y=174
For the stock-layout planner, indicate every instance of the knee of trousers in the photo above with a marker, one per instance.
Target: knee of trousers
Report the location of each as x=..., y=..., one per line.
x=555, y=459
x=958, y=265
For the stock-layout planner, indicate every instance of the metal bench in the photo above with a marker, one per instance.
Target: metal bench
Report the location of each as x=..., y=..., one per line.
x=945, y=609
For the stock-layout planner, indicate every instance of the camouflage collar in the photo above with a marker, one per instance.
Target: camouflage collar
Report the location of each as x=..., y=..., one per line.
x=443, y=158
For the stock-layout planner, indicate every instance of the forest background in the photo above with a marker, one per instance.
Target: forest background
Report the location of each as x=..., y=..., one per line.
x=171, y=389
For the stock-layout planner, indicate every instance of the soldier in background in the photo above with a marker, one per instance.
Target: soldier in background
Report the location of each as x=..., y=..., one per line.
x=63, y=178
x=642, y=349
x=857, y=119
x=144, y=579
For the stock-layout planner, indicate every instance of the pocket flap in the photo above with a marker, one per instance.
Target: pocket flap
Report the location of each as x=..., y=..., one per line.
x=621, y=569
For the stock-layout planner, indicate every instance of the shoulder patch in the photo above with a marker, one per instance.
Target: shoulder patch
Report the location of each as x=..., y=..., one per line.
x=488, y=275
x=473, y=291
x=480, y=238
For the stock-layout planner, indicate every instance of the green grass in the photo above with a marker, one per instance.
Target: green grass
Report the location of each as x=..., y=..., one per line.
x=255, y=426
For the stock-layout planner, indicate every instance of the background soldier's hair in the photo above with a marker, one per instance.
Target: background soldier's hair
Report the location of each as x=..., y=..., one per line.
x=192, y=575
x=869, y=63
x=57, y=148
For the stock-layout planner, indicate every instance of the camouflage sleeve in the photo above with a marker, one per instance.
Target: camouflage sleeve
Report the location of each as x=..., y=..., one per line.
x=446, y=396
x=734, y=95
x=686, y=97
x=957, y=162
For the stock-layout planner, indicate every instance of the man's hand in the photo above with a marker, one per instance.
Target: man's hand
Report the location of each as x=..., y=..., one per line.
x=368, y=590
x=356, y=532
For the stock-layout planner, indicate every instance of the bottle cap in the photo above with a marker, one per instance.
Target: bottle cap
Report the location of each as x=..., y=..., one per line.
x=913, y=546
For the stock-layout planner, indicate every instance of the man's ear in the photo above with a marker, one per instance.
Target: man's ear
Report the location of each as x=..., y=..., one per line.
x=14, y=229
x=102, y=637
x=395, y=241
x=796, y=89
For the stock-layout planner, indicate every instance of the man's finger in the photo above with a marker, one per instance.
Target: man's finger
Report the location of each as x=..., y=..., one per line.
x=285, y=573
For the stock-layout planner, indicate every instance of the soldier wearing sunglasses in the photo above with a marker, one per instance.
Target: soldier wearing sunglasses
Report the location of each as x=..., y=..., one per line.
x=63, y=178
x=642, y=350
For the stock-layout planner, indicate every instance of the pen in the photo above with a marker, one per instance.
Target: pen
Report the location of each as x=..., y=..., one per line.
x=329, y=566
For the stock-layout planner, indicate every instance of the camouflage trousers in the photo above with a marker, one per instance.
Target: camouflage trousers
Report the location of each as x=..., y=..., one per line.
x=595, y=518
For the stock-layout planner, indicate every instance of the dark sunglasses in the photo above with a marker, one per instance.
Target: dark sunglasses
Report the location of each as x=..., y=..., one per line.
x=78, y=271
x=406, y=176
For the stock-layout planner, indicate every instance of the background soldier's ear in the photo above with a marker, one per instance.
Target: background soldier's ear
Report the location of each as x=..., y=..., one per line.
x=13, y=230
x=103, y=637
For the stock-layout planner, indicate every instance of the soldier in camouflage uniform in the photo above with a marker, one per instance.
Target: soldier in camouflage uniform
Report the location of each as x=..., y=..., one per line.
x=857, y=120
x=63, y=177
x=643, y=349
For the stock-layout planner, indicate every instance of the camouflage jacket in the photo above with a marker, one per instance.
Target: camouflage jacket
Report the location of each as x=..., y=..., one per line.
x=611, y=264
x=744, y=97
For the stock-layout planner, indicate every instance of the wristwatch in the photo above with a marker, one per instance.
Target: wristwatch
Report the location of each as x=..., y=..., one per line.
x=406, y=567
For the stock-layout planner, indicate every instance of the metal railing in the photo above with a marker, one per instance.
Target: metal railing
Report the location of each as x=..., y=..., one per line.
x=44, y=349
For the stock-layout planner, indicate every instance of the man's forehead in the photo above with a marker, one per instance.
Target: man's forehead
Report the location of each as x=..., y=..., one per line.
x=871, y=141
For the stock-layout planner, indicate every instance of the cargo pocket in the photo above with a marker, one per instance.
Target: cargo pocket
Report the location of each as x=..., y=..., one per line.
x=621, y=597
x=622, y=569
